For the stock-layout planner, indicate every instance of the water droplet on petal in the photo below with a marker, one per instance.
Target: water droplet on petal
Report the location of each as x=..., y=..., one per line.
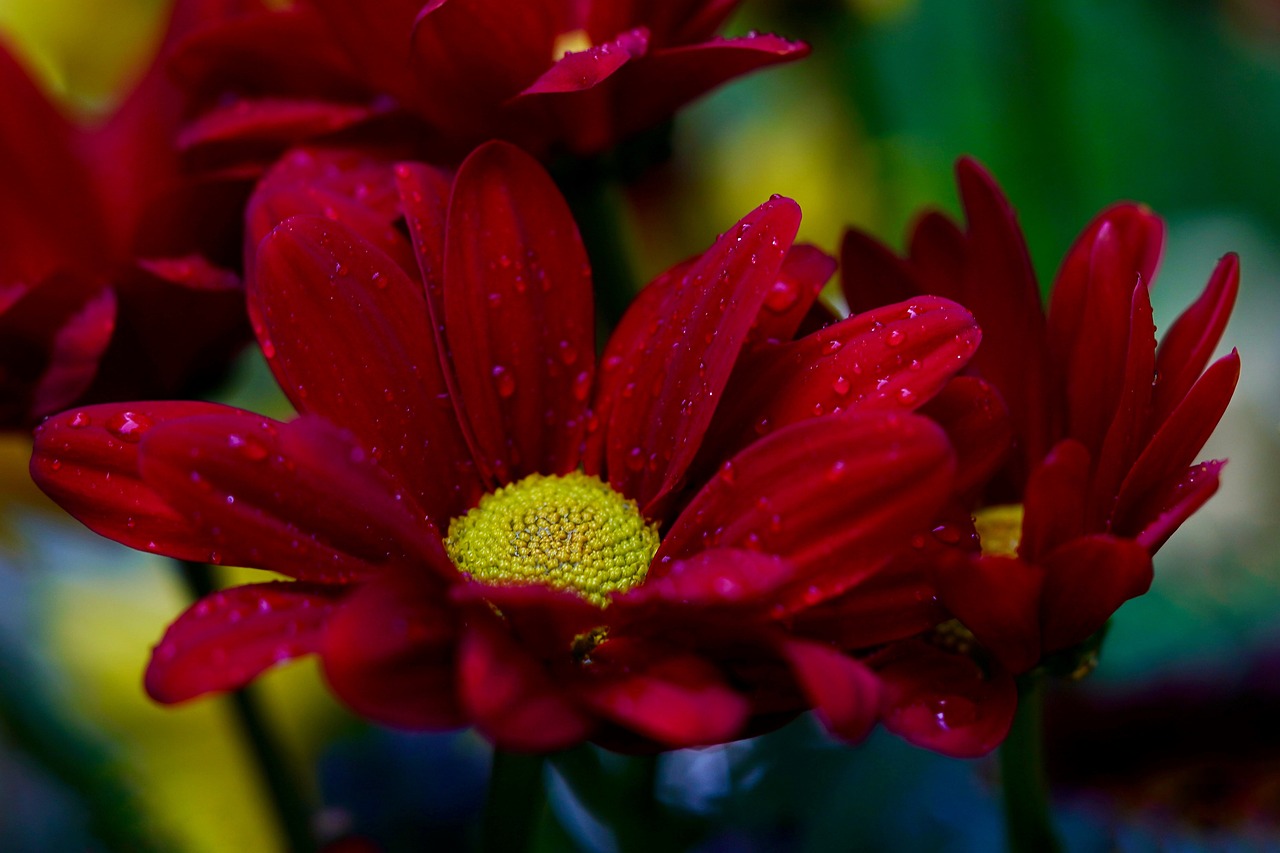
x=840, y=385
x=505, y=382
x=79, y=420
x=895, y=338
x=128, y=426
x=782, y=295
x=906, y=396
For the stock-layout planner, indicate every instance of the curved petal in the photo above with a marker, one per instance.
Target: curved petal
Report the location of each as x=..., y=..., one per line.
x=1086, y=580
x=893, y=358
x=898, y=602
x=679, y=700
x=1176, y=503
x=871, y=275
x=299, y=498
x=805, y=271
x=845, y=693
x=1190, y=341
x=510, y=696
x=584, y=69
x=727, y=580
x=271, y=121
x=1054, y=502
x=389, y=654
x=975, y=418
x=545, y=621
x=518, y=312
x=671, y=387
x=225, y=640
x=998, y=599
x=349, y=338
x=86, y=460
x=843, y=489
x=943, y=700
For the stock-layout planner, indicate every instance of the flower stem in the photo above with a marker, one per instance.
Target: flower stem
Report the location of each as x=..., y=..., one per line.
x=283, y=789
x=1028, y=824
x=517, y=799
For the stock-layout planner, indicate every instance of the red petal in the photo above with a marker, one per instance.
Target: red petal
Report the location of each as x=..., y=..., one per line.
x=846, y=695
x=1054, y=502
x=944, y=701
x=998, y=599
x=346, y=186
x=545, y=621
x=389, y=651
x=1190, y=341
x=999, y=287
x=728, y=579
x=349, y=338
x=585, y=69
x=896, y=602
x=272, y=121
x=227, y=639
x=87, y=461
x=519, y=314
x=1175, y=445
x=1085, y=582
x=975, y=418
x=672, y=386
x=871, y=275
x=1176, y=504
x=840, y=490
x=680, y=701
x=805, y=271
x=1089, y=317
x=893, y=358
x=1125, y=434
x=511, y=697
x=298, y=498
x=379, y=44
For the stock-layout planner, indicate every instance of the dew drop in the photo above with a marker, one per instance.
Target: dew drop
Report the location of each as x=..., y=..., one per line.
x=782, y=295
x=906, y=396
x=635, y=459
x=568, y=352
x=836, y=472
x=582, y=386
x=56, y=464
x=832, y=346
x=840, y=385
x=128, y=426
x=895, y=338
x=505, y=382
x=79, y=420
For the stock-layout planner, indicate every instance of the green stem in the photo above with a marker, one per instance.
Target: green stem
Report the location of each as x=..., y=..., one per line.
x=292, y=811
x=1028, y=824
x=517, y=799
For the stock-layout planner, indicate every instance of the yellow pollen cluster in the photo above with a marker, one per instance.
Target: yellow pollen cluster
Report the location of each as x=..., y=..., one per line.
x=569, y=532
x=999, y=529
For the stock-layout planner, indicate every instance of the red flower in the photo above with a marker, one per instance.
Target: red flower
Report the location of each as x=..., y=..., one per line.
x=551, y=75
x=606, y=570
x=109, y=253
x=1106, y=426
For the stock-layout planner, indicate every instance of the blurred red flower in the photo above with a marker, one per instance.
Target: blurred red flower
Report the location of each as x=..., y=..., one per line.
x=553, y=76
x=116, y=269
x=1106, y=425
x=657, y=517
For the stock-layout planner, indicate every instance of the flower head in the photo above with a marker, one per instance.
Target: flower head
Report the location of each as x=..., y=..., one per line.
x=552, y=75
x=487, y=525
x=1105, y=425
x=111, y=251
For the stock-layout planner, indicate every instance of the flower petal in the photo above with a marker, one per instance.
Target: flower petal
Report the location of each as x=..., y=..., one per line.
x=871, y=275
x=270, y=121
x=998, y=599
x=945, y=701
x=731, y=580
x=676, y=380
x=349, y=338
x=1190, y=341
x=844, y=692
x=250, y=484
x=805, y=271
x=225, y=640
x=389, y=654
x=976, y=420
x=518, y=308
x=843, y=489
x=87, y=461
x=892, y=358
x=511, y=697
x=892, y=604
x=1175, y=445
x=1054, y=501
x=1176, y=504
x=679, y=701
x=1086, y=580
x=584, y=69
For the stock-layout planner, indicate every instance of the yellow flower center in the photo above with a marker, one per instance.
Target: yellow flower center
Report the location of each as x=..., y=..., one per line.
x=574, y=41
x=999, y=529
x=569, y=532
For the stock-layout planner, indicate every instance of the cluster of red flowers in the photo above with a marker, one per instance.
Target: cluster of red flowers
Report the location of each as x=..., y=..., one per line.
x=743, y=508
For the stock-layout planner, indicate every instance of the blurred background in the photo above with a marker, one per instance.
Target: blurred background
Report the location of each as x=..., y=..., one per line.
x=1172, y=744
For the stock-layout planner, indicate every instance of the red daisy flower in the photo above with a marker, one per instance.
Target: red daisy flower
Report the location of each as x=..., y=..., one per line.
x=109, y=250
x=487, y=527
x=1106, y=425
x=552, y=75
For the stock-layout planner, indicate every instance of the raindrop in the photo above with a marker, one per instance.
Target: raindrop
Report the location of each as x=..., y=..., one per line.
x=895, y=338
x=782, y=295
x=635, y=459
x=128, y=426
x=906, y=396
x=840, y=385
x=79, y=420
x=837, y=471
x=831, y=346
x=505, y=382
x=582, y=386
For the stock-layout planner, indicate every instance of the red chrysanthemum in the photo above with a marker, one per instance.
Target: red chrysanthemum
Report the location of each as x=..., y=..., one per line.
x=471, y=505
x=1106, y=425
x=109, y=253
x=552, y=75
